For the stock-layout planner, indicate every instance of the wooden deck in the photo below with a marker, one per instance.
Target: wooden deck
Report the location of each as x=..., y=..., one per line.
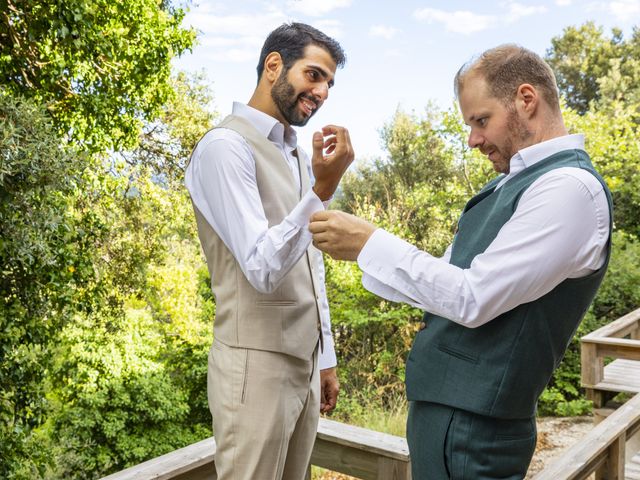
x=633, y=468
x=620, y=376
x=619, y=341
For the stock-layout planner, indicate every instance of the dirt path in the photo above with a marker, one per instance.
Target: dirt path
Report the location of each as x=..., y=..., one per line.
x=556, y=434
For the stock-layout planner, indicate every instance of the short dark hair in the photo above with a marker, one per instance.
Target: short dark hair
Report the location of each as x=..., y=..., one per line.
x=290, y=40
x=505, y=68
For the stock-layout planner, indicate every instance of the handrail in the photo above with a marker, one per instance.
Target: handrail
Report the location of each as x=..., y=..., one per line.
x=609, y=341
x=344, y=448
x=602, y=450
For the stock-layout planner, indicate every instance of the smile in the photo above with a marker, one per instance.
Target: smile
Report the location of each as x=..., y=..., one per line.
x=307, y=105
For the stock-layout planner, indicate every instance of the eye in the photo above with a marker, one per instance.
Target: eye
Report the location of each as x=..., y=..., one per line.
x=313, y=75
x=482, y=121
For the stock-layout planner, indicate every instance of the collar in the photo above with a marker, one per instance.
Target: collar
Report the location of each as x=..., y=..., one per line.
x=267, y=126
x=533, y=154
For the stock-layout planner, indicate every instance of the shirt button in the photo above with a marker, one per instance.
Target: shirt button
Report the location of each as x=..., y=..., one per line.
x=423, y=325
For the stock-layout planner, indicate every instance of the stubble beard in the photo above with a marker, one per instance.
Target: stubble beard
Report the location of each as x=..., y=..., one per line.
x=285, y=98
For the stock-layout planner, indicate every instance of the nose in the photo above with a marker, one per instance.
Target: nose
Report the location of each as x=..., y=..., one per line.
x=474, y=140
x=321, y=90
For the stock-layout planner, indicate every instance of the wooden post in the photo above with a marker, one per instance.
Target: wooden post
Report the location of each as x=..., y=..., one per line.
x=615, y=462
x=391, y=469
x=592, y=368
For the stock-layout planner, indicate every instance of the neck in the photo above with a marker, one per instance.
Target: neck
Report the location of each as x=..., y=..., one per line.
x=261, y=100
x=547, y=128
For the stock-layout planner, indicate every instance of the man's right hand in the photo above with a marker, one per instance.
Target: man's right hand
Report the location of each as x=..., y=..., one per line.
x=329, y=165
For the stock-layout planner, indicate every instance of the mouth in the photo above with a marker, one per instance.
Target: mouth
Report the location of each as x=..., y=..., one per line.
x=488, y=152
x=308, y=106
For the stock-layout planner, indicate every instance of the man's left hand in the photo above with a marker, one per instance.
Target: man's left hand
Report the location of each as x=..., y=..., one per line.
x=340, y=234
x=329, y=388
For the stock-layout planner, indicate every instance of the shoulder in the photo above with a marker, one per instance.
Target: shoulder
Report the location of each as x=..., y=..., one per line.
x=570, y=178
x=222, y=144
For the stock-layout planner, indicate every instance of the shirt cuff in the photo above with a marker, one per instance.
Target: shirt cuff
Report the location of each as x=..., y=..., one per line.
x=383, y=251
x=308, y=205
x=327, y=357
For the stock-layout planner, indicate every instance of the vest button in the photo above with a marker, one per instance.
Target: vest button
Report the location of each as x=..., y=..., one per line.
x=423, y=325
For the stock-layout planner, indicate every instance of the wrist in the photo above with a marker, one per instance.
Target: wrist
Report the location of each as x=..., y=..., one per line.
x=323, y=192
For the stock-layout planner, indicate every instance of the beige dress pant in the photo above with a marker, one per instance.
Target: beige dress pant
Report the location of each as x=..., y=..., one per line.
x=265, y=409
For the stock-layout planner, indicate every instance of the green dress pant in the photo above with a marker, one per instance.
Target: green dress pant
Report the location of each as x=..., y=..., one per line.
x=446, y=443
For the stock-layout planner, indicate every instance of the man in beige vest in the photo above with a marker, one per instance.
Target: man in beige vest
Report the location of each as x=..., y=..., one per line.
x=272, y=363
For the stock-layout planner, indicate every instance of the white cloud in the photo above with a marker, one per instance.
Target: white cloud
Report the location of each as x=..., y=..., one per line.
x=460, y=21
x=518, y=11
x=333, y=28
x=234, y=55
x=254, y=43
x=467, y=22
x=382, y=31
x=235, y=37
x=316, y=8
x=563, y=3
x=624, y=10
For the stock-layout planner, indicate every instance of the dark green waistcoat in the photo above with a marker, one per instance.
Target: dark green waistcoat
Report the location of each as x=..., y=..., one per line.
x=500, y=368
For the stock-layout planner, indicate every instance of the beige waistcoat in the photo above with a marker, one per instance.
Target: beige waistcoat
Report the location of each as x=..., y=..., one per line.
x=288, y=319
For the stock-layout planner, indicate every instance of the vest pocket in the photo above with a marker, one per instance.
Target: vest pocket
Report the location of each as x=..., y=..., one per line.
x=276, y=303
x=454, y=352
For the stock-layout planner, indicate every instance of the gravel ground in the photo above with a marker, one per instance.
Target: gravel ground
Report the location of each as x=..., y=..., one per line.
x=555, y=434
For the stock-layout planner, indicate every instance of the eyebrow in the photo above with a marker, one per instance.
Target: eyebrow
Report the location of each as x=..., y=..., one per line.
x=322, y=72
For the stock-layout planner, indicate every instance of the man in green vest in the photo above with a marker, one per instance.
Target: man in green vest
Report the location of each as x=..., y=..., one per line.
x=272, y=363
x=502, y=304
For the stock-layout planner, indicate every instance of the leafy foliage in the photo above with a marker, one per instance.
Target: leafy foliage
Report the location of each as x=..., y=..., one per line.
x=43, y=264
x=101, y=67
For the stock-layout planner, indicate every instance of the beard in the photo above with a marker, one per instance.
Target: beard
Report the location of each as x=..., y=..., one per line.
x=517, y=138
x=285, y=98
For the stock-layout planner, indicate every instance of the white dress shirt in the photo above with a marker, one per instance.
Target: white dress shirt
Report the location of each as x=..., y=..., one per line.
x=221, y=178
x=559, y=230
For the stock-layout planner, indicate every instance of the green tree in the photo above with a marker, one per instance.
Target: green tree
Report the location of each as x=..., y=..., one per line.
x=160, y=314
x=43, y=257
x=77, y=239
x=591, y=67
x=101, y=67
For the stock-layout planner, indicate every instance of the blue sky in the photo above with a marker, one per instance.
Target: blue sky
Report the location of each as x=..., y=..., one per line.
x=400, y=54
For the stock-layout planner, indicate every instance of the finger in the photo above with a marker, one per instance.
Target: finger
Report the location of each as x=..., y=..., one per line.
x=320, y=216
x=318, y=144
x=321, y=238
x=338, y=132
x=330, y=129
x=329, y=141
x=317, y=228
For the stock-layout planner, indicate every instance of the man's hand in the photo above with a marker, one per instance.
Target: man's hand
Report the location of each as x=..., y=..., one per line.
x=329, y=388
x=339, y=234
x=328, y=167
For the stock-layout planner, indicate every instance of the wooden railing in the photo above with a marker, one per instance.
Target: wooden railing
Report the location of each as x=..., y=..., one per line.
x=339, y=447
x=604, y=449
x=610, y=364
x=609, y=451
x=620, y=341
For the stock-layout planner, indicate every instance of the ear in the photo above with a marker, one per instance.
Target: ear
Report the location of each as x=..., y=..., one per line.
x=272, y=66
x=527, y=99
